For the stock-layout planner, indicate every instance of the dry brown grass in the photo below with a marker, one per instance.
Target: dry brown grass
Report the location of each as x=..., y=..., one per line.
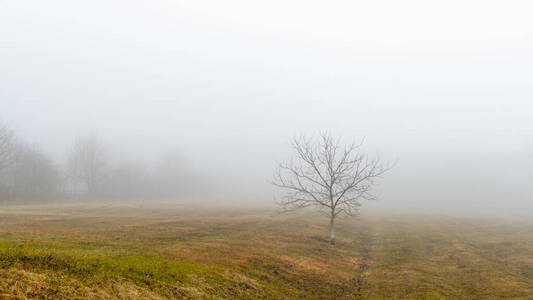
x=157, y=252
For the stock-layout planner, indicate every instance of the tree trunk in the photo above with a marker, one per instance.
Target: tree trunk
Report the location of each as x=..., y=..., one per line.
x=332, y=230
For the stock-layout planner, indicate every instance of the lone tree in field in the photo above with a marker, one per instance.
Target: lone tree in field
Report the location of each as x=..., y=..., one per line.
x=329, y=176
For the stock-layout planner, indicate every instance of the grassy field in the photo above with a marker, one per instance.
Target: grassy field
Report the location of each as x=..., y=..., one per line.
x=158, y=252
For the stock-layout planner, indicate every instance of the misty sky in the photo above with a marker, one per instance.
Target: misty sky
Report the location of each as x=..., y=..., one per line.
x=444, y=87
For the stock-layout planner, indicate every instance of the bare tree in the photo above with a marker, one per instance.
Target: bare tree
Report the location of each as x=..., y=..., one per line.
x=127, y=179
x=325, y=175
x=34, y=175
x=86, y=162
x=7, y=146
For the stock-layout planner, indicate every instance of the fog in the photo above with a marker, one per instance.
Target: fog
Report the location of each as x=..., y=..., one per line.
x=443, y=89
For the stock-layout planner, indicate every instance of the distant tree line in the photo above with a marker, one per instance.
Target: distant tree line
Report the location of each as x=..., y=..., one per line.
x=28, y=175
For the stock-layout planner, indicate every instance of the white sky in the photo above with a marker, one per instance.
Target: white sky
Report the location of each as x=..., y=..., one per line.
x=444, y=86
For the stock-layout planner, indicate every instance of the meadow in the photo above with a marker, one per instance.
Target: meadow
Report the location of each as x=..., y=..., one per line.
x=168, y=251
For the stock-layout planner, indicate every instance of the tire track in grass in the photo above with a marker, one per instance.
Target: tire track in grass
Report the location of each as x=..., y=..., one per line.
x=366, y=243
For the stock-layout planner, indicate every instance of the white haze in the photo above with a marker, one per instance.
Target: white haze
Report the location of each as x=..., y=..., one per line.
x=443, y=87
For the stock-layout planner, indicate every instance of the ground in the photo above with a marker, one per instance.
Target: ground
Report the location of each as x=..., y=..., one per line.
x=141, y=251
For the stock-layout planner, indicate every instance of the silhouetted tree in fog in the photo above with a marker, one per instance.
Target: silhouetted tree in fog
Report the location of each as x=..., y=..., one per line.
x=34, y=175
x=174, y=178
x=128, y=180
x=329, y=176
x=7, y=145
x=25, y=172
x=86, y=162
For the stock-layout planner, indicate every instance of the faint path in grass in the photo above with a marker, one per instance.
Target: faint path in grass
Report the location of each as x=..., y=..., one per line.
x=365, y=242
x=360, y=281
